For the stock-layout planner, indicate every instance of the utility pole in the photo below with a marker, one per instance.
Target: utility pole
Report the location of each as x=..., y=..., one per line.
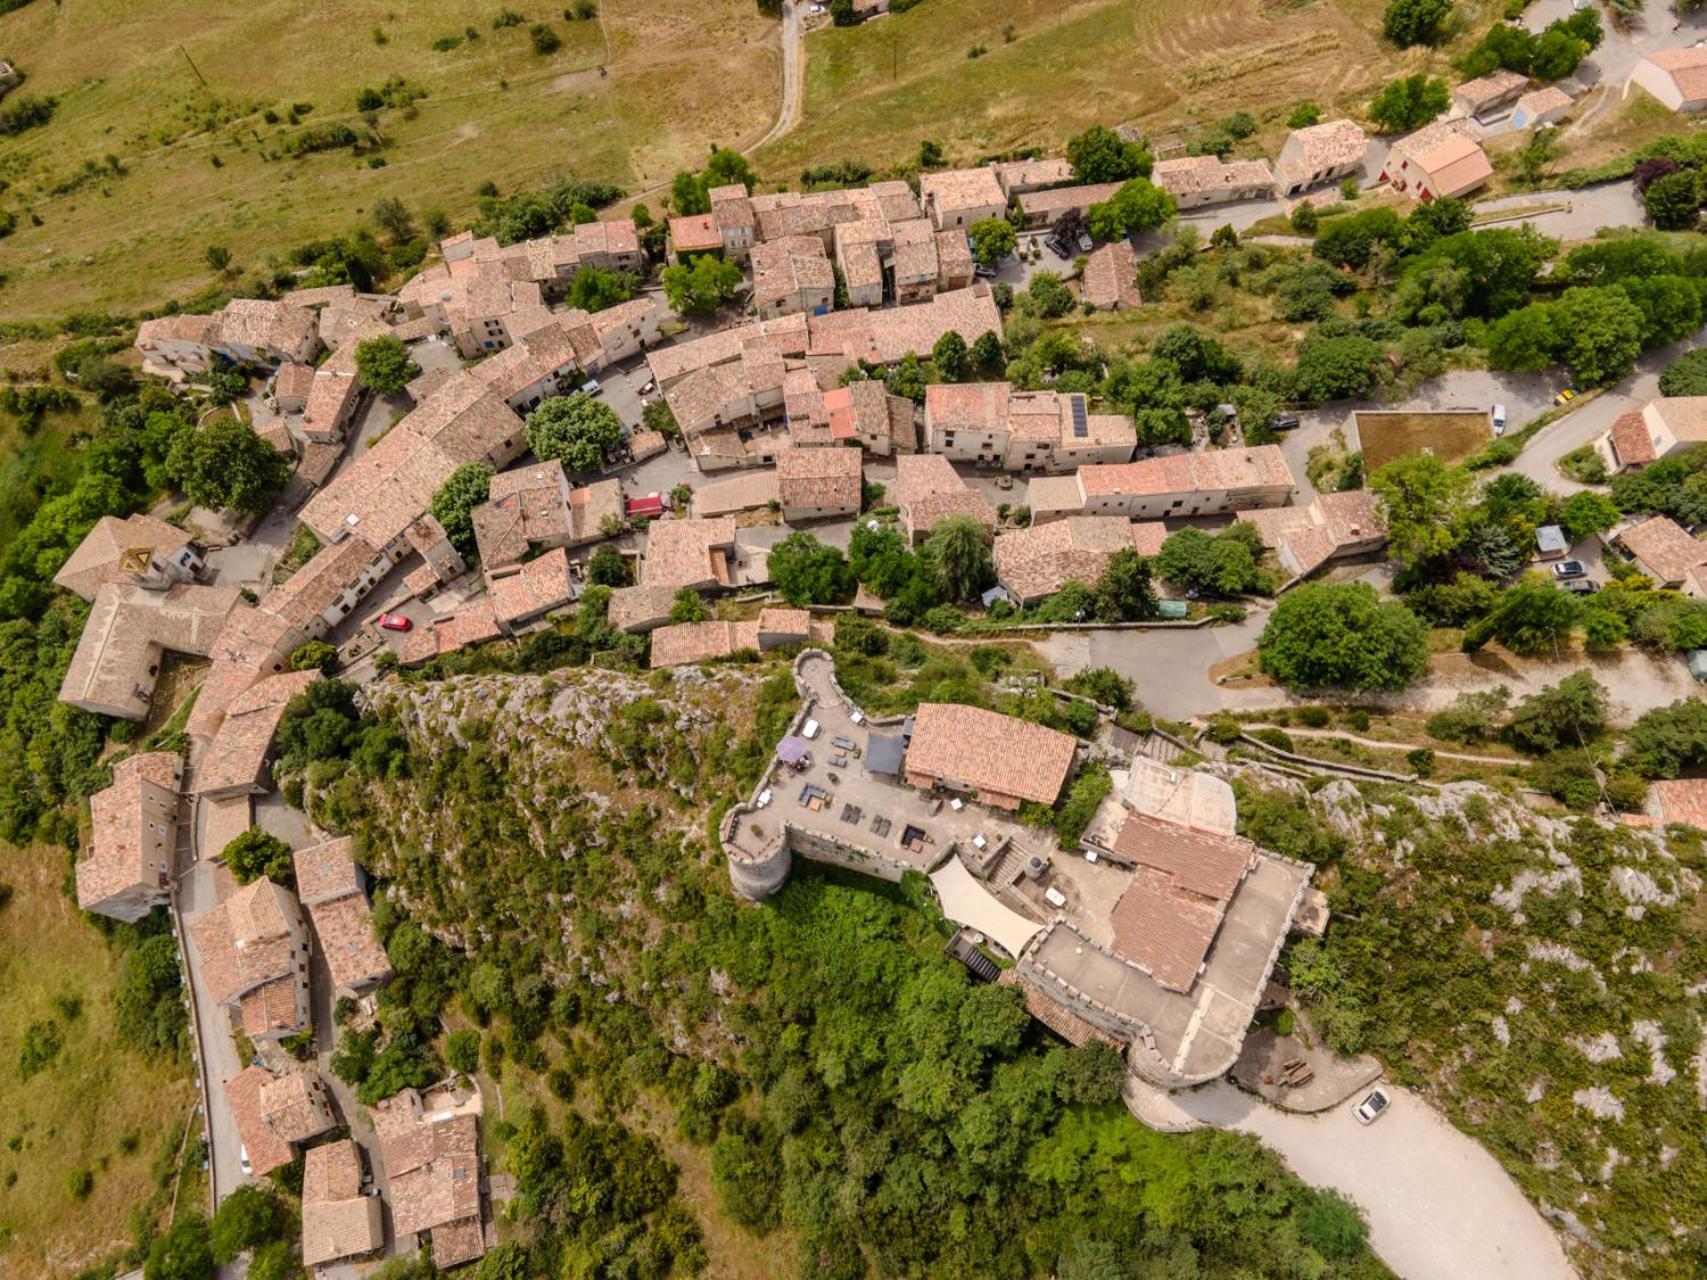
x=193, y=67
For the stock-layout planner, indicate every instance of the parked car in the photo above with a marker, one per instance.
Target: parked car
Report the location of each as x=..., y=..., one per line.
x=1284, y=422
x=1086, y=244
x=1570, y=569
x=394, y=622
x=983, y=272
x=1581, y=586
x=591, y=387
x=1054, y=245
x=648, y=387
x=1566, y=396
x=1370, y=1109
x=243, y=1159
x=1499, y=419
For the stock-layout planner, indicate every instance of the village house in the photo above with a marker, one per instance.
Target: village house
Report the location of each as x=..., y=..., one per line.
x=864, y=413
x=330, y=885
x=1037, y=562
x=527, y=507
x=1676, y=77
x=335, y=390
x=338, y=1221
x=638, y=610
x=129, y=631
x=1487, y=94
x=1546, y=105
x=689, y=553
x=441, y=562
x=1330, y=527
x=694, y=235
x=1208, y=483
x=430, y=1148
x=532, y=591
x=1438, y=160
x=250, y=331
x=290, y=387
x=135, y=549
x=1001, y=761
x=960, y=197
x=1667, y=554
x=1020, y=177
x=745, y=491
x=275, y=1113
x=687, y=642
x=237, y=762
x=133, y=839
x=253, y=953
x=1195, y=181
x=929, y=490
x=792, y=274
x=818, y=484
x=470, y=623
x=992, y=425
x=737, y=224
x=1318, y=154
x=1659, y=429
x=1043, y=208
x=820, y=213
x=903, y=261
x=552, y=262
x=1110, y=278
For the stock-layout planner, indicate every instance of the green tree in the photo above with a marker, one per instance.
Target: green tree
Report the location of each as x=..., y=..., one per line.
x=1304, y=114
x=390, y=215
x=1526, y=340
x=576, y=429
x=608, y=568
x=1408, y=22
x=950, y=358
x=255, y=853
x=226, y=466
x=987, y=353
x=184, y=1251
x=1124, y=592
x=148, y=1006
x=250, y=1215
x=1099, y=154
x=462, y=1050
x=1667, y=740
x=594, y=290
x=1426, y=503
x=1686, y=375
x=1587, y=512
x=316, y=655
x=1336, y=368
x=808, y=572
x=1409, y=102
x=1571, y=713
x=1222, y=565
x=383, y=365
x=1600, y=335
x=992, y=240
x=688, y=607
x=1533, y=617
x=465, y=489
x=1138, y=206
x=1342, y=636
x=1331, y=1225
x=703, y=285
x=959, y=550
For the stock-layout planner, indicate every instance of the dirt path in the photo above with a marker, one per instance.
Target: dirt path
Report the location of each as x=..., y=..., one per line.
x=1399, y=746
x=793, y=75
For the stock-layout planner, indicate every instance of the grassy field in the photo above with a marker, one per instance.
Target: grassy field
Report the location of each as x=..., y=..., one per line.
x=170, y=86
x=34, y=462
x=96, y=1106
x=874, y=92
x=1449, y=436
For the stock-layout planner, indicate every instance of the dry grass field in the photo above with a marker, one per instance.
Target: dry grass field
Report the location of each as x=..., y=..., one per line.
x=1449, y=436
x=168, y=87
x=96, y=1106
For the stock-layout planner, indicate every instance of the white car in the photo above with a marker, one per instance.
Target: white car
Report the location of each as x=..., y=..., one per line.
x=809, y=729
x=243, y=1159
x=1499, y=419
x=1372, y=1107
x=591, y=387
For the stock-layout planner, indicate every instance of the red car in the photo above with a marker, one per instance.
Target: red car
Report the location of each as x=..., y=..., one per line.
x=394, y=622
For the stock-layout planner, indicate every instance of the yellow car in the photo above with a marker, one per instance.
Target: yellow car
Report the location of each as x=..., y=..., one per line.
x=1565, y=396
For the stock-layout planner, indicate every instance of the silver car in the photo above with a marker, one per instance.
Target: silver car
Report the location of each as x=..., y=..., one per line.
x=1372, y=1107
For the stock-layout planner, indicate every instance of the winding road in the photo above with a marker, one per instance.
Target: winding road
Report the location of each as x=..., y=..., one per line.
x=793, y=75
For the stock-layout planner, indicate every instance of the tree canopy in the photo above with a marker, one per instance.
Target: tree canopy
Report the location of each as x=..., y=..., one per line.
x=383, y=365
x=463, y=490
x=704, y=284
x=808, y=572
x=1409, y=102
x=1099, y=154
x=1342, y=636
x=575, y=429
x=1408, y=22
x=992, y=240
x=1138, y=206
x=226, y=466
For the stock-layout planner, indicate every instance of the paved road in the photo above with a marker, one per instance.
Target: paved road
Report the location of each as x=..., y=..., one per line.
x=1581, y=213
x=1439, y=1206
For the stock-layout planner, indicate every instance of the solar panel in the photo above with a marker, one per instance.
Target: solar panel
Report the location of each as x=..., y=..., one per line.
x=1081, y=427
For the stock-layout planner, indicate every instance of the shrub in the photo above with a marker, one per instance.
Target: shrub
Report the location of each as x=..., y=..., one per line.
x=462, y=1050
x=256, y=853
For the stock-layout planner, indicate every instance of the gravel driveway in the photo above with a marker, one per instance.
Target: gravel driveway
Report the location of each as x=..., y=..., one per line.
x=1439, y=1206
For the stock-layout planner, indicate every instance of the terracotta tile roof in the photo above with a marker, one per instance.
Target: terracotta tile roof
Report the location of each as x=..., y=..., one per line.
x=1665, y=548
x=1631, y=440
x=819, y=477
x=988, y=752
x=1039, y=561
x=695, y=233
x=343, y=926
x=126, y=631
x=318, y=587
x=967, y=406
x=238, y=756
x=1330, y=145
x=1190, y=175
x=265, y=1149
x=263, y=324
x=748, y=491
x=337, y=1220
x=271, y=1009
x=470, y=624
x=226, y=818
x=961, y=189
x=112, y=542
x=928, y=489
x=1543, y=100
x=684, y=642
x=591, y=507
x=687, y=553
x=326, y=871
x=246, y=940
x=294, y=1106
x=784, y=268
x=1455, y=166
x=540, y=585
x=134, y=834
x=884, y=337
x=1680, y=800
x=1148, y=536
x=1263, y=467
x=788, y=624
x=1055, y=1015
x=1167, y=919
x=1046, y=206
x=1687, y=67
x=1684, y=416
x=1018, y=175
x=1330, y=524
x=527, y=506
x=640, y=608
x=1489, y=90
x=432, y=1163
x=1110, y=277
